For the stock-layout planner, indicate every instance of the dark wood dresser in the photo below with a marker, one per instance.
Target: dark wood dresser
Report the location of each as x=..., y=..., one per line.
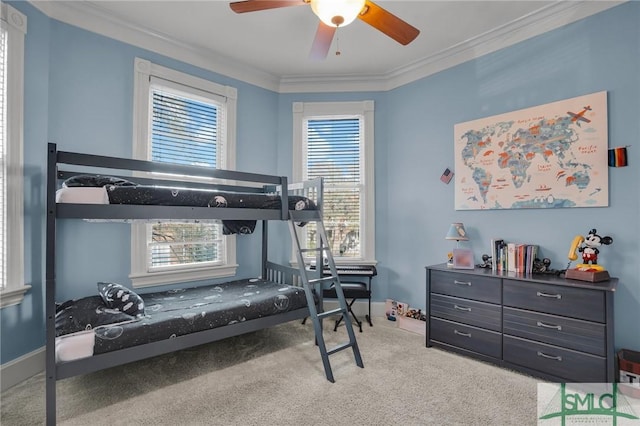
x=543, y=325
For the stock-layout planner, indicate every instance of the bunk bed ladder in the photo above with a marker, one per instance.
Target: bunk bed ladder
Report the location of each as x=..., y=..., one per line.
x=323, y=255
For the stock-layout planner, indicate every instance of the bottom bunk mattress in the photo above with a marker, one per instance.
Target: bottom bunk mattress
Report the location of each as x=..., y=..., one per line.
x=88, y=326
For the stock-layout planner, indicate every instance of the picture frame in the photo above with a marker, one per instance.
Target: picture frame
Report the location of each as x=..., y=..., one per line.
x=463, y=258
x=559, y=120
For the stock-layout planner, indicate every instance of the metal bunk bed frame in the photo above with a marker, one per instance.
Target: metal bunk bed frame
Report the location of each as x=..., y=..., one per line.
x=312, y=280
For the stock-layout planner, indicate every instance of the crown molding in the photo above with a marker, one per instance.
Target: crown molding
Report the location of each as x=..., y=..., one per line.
x=543, y=20
x=14, y=18
x=92, y=18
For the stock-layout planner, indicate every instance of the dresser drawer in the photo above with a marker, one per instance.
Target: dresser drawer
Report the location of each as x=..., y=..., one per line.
x=570, y=333
x=571, y=365
x=467, y=337
x=479, y=314
x=566, y=301
x=469, y=286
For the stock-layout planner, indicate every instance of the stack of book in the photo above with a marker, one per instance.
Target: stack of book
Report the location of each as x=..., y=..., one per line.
x=512, y=257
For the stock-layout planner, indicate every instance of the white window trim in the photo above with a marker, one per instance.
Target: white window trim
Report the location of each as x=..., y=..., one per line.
x=143, y=70
x=302, y=110
x=16, y=25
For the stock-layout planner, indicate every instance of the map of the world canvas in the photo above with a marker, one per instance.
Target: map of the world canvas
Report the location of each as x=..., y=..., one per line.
x=548, y=156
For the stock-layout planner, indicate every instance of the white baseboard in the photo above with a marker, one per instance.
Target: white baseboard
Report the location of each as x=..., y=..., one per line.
x=20, y=369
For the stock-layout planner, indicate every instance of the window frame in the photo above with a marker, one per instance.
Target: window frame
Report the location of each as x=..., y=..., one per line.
x=12, y=292
x=144, y=72
x=303, y=111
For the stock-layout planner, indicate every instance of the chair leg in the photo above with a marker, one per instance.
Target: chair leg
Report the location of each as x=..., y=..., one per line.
x=355, y=318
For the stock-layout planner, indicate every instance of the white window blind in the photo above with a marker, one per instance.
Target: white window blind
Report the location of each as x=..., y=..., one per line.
x=3, y=142
x=334, y=153
x=185, y=129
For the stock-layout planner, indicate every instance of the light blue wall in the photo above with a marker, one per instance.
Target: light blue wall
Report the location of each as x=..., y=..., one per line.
x=599, y=53
x=91, y=86
x=414, y=144
x=79, y=94
x=21, y=326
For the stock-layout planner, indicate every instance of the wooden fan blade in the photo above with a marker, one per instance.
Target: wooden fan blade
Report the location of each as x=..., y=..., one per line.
x=322, y=41
x=388, y=23
x=256, y=5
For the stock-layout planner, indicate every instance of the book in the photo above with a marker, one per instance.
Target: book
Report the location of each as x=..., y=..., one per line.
x=492, y=253
x=511, y=257
x=521, y=254
x=496, y=254
x=532, y=252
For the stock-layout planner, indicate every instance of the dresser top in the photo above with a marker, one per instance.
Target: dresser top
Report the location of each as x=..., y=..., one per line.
x=609, y=285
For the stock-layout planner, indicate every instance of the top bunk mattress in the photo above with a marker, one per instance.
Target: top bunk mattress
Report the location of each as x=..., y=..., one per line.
x=97, y=189
x=168, y=314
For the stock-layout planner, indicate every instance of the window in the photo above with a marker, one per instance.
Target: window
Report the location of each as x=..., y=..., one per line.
x=13, y=26
x=185, y=120
x=334, y=140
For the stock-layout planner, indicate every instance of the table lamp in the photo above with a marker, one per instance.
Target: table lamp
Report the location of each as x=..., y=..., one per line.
x=457, y=233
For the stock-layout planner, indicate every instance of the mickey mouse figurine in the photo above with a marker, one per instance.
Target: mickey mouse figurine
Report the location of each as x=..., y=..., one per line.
x=589, y=249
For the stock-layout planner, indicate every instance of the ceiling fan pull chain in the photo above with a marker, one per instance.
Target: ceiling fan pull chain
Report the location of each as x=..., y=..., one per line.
x=337, y=43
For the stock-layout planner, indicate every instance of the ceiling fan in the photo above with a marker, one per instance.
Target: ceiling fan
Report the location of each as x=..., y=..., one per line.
x=338, y=13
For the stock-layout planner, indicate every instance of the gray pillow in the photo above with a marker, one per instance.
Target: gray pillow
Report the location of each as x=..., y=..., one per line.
x=86, y=314
x=117, y=296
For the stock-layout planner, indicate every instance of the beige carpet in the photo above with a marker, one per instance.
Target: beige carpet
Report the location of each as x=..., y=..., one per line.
x=275, y=376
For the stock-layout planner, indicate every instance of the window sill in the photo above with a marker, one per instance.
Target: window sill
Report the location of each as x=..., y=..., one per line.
x=179, y=276
x=13, y=296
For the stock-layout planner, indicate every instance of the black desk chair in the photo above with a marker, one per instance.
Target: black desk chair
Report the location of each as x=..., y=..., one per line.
x=353, y=291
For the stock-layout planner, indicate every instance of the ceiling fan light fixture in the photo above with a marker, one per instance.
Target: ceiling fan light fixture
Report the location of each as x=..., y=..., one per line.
x=337, y=13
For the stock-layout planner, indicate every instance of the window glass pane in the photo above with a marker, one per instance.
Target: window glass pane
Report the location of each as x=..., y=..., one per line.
x=333, y=152
x=185, y=130
x=179, y=244
x=342, y=220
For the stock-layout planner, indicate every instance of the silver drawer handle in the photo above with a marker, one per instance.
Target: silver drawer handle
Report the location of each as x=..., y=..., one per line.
x=467, y=283
x=462, y=308
x=460, y=333
x=553, y=296
x=543, y=355
x=543, y=325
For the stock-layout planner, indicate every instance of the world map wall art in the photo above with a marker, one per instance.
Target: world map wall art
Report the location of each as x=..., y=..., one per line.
x=548, y=156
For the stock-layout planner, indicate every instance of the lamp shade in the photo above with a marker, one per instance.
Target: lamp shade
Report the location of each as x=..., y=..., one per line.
x=457, y=232
x=337, y=12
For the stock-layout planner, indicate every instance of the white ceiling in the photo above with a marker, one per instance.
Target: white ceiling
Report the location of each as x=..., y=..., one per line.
x=270, y=48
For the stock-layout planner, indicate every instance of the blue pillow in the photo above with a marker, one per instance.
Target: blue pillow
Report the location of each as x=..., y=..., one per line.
x=117, y=296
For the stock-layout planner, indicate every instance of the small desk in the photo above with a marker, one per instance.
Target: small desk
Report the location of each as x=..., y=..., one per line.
x=356, y=286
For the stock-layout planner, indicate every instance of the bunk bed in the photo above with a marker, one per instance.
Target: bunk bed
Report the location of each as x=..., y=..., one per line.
x=136, y=190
